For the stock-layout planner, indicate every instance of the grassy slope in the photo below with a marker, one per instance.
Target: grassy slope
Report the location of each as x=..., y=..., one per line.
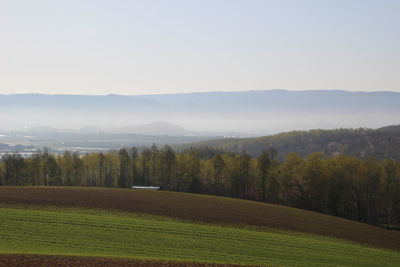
x=204, y=208
x=104, y=233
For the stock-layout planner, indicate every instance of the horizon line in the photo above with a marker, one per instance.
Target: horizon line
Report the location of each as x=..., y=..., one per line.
x=201, y=92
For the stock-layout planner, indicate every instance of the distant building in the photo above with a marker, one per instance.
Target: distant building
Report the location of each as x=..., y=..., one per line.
x=146, y=187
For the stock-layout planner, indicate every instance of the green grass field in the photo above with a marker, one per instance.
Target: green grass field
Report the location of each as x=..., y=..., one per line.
x=77, y=231
x=205, y=209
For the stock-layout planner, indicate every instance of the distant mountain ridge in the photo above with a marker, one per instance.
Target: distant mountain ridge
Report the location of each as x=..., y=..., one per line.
x=153, y=128
x=160, y=127
x=257, y=112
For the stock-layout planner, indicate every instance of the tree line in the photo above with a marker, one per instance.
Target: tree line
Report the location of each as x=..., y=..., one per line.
x=367, y=190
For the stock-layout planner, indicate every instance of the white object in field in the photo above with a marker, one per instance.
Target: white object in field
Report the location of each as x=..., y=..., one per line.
x=146, y=187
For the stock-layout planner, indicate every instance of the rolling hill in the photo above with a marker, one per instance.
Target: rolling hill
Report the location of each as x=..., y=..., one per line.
x=159, y=226
x=203, y=208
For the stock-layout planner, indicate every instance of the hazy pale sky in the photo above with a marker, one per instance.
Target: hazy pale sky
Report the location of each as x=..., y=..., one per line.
x=149, y=46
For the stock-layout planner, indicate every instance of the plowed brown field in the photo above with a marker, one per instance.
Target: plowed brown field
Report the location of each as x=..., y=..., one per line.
x=25, y=260
x=203, y=208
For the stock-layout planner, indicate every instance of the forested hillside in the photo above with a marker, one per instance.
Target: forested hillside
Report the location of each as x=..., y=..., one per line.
x=366, y=190
x=362, y=143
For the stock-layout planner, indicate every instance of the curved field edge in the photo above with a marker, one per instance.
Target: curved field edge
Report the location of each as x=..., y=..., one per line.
x=40, y=231
x=204, y=208
x=28, y=260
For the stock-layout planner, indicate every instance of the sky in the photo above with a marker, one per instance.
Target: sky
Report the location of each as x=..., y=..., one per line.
x=148, y=47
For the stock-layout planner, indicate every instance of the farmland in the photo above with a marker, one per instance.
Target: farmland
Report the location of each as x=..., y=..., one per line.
x=83, y=232
x=29, y=260
x=203, y=208
x=120, y=227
